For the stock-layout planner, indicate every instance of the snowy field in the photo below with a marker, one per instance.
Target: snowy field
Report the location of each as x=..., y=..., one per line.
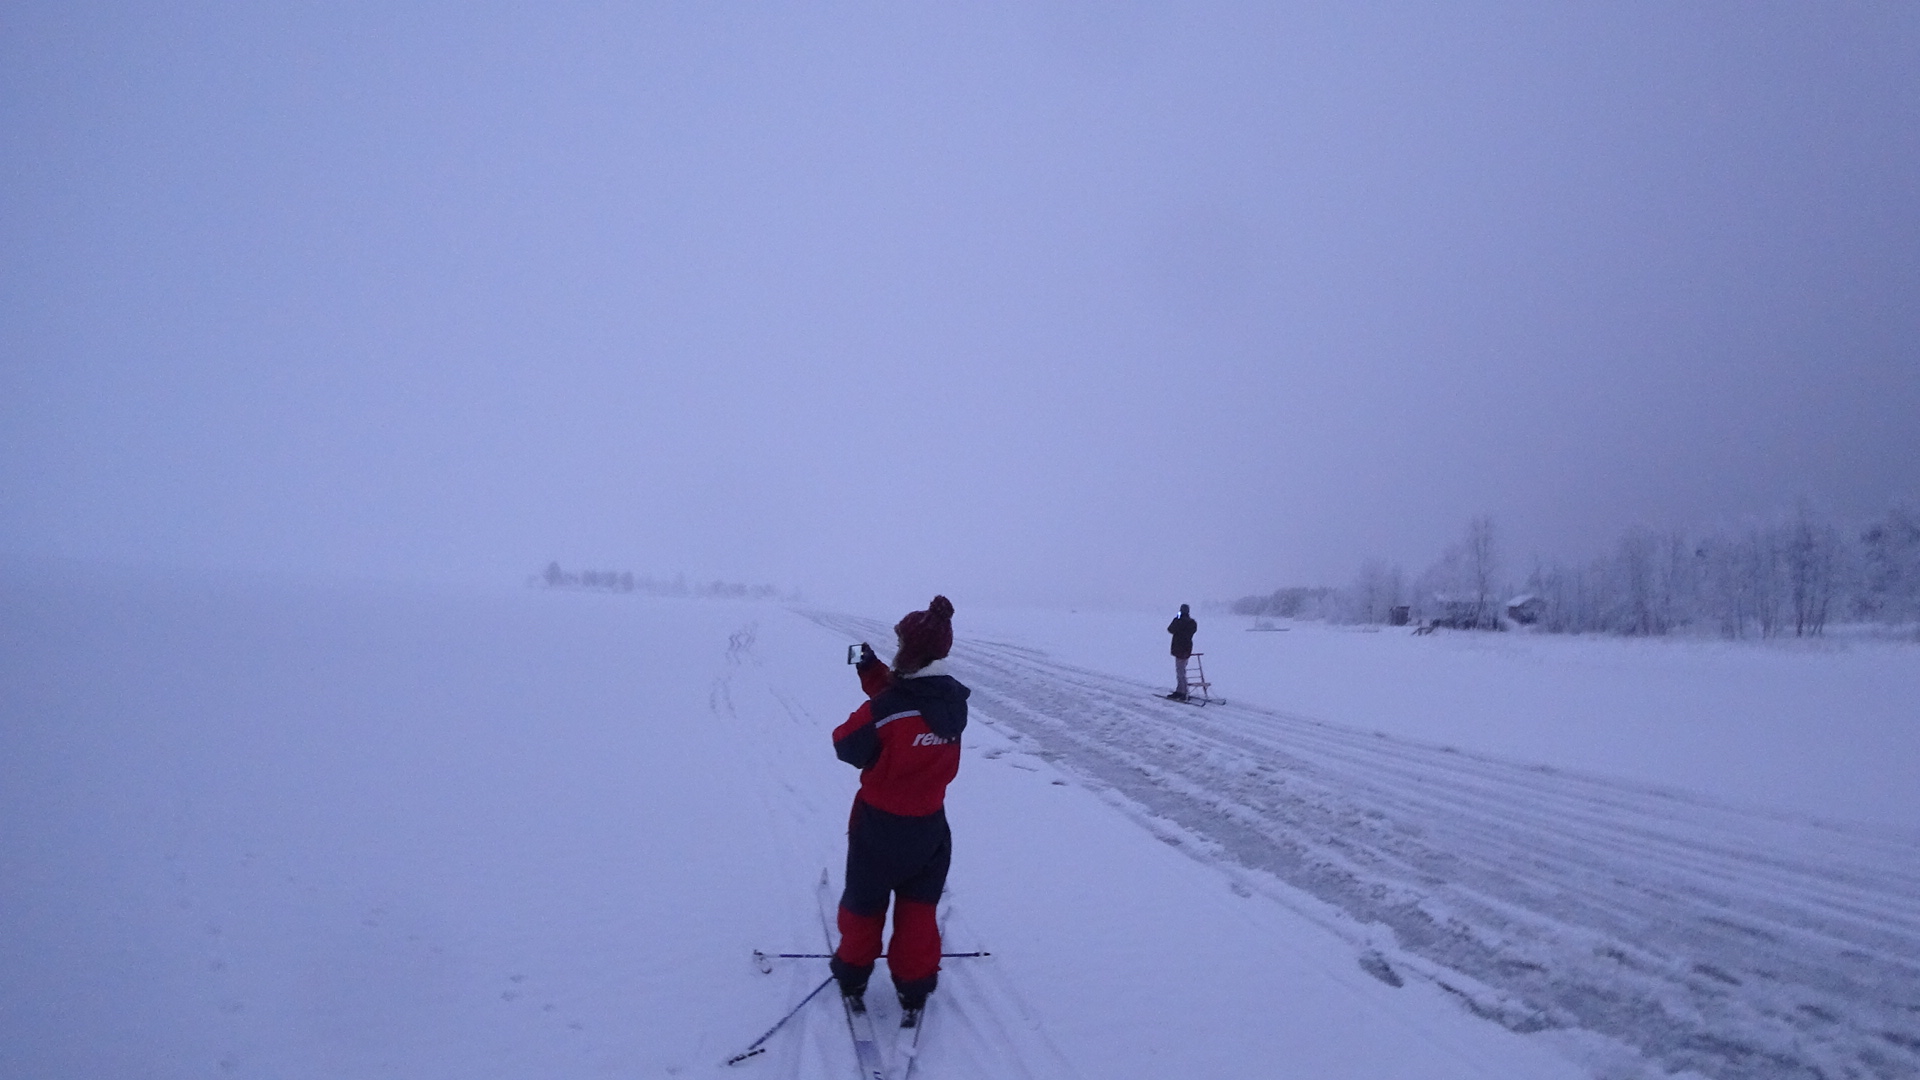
x=280, y=831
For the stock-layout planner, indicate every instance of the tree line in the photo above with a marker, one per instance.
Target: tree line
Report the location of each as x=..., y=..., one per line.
x=1794, y=575
x=625, y=581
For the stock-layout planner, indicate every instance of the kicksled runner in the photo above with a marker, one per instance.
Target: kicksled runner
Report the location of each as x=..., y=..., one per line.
x=860, y=1023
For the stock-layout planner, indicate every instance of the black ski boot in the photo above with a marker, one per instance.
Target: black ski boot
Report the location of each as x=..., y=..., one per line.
x=852, y=980
x=913, y=998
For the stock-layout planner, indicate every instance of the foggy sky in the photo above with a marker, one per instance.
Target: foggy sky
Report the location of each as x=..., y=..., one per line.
x=1037, y=301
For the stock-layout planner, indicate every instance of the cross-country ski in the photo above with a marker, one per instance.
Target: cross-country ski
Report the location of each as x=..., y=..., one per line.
x=866, y=1044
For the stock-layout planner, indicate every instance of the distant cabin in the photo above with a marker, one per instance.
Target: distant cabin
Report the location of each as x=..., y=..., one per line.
x=1526, y=609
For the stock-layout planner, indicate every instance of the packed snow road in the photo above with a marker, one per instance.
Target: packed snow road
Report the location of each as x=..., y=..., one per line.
x=1731, y=943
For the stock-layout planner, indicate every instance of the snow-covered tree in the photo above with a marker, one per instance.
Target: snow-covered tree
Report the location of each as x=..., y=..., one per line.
x=1462, y=588
x=1652, y=578
x=1889, y=581
x=1376, y=590
x=1813, y=555
x=1483, y=567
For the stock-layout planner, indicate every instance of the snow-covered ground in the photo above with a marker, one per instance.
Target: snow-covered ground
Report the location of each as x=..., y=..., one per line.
x=1827, y=727
x=289, y=831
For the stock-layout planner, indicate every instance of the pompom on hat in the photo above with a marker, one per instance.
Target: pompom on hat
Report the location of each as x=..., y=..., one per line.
x=925, y=636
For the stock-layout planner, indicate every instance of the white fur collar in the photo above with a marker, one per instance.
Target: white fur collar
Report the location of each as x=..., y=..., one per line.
x=938, y=667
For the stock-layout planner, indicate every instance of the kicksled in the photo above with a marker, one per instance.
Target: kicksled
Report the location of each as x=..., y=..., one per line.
x=1197, y=681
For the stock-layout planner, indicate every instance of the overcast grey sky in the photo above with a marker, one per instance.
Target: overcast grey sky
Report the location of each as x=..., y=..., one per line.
x=1055, y=301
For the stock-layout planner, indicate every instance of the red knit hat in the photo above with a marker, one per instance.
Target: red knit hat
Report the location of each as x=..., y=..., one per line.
x=925, y=636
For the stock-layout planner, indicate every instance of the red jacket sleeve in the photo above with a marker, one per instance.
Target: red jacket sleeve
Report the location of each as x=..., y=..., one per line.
x=874, y=678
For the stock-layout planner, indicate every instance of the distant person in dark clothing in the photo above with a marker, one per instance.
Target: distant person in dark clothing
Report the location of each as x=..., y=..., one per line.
x=1182, y=628
x=905, y=740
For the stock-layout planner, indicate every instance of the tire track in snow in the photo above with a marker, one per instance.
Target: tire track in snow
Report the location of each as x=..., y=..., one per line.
x=1733, y=943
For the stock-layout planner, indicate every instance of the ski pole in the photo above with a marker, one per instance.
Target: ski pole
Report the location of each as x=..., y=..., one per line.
x=758, y=955
x=757, y=1046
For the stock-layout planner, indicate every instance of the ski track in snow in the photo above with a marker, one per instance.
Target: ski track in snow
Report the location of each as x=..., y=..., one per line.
x=1729, y=942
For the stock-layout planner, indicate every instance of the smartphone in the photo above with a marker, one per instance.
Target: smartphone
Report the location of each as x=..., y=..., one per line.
x=853, y=654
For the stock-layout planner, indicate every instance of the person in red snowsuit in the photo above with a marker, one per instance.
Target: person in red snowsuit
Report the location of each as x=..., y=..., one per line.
x=905, y=740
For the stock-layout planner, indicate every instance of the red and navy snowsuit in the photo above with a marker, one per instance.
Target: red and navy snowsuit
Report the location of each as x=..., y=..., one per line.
x=905, y=740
